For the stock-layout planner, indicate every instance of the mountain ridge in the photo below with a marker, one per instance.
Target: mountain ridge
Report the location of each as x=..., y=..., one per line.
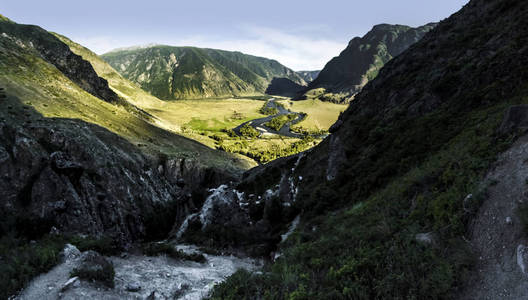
x=345, y=75
x=170, y=72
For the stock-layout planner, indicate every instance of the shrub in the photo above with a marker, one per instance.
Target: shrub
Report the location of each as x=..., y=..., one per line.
x=21, y=260
x=155, y=249
x=95, y=267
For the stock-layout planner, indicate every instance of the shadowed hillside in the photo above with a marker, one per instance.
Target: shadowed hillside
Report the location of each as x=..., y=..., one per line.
x=360, y=62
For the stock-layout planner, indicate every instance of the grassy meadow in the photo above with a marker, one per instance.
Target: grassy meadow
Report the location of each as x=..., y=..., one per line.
x=320, y=115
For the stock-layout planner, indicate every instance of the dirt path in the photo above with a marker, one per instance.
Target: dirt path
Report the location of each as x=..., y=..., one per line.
x=496, y=234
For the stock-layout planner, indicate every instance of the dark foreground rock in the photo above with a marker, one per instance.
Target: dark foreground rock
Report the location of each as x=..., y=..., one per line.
x=79, y=178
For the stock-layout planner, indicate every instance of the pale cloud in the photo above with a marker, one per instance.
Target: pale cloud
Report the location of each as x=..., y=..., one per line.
x=298, y=49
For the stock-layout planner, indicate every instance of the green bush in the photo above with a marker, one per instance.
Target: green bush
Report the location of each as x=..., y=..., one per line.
x=96, y=269
x=104, y=245
x=155, y=249
x=21, y=261
x=249, y=132
x=278, y=122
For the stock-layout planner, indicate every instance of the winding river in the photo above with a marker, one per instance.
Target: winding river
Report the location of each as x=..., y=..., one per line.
x=258, y=124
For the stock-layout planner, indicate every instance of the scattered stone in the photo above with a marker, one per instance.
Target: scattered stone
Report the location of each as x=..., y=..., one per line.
x=64, y=162
x=182, y=288
x=427, y=238
x=154, y=296
x=509, y=220
x=522, y=255
x=54, y=231
x=71, y=283
x=133, y=287
x=69, y=253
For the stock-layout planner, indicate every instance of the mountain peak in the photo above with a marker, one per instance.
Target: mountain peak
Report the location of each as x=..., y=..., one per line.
x=361, y=61
x=171, y=72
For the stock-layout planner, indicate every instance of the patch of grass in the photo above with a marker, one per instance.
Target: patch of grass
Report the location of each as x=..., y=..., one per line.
x=104, y=245
x=246, y=285
x=22, y=260
x=161, y=248
x=320, y=115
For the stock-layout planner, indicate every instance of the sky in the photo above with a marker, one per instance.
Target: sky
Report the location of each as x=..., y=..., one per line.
x=302, y=35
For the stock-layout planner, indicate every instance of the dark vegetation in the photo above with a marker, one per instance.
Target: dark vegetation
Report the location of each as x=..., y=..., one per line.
x=265, y=110
x=405, y=172
x=248, y=131
x=22, y=259
x=95, y=268
x=161, y=248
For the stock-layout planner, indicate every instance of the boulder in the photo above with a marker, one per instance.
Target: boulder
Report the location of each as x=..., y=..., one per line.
x=71, y=283
x=81, y=179
x=426, y=238
x=69, y=253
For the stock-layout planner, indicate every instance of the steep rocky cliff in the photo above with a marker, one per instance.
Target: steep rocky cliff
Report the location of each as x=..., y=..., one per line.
x=361, y=61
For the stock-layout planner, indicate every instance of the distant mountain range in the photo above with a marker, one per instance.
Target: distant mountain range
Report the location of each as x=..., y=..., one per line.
x=345, y=75
x=190, y=73
x=309, y=76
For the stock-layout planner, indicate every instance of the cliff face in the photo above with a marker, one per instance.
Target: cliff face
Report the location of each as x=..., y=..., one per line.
x=361, y=61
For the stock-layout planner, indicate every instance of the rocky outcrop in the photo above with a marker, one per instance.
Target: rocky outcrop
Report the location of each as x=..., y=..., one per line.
x=79, y=178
